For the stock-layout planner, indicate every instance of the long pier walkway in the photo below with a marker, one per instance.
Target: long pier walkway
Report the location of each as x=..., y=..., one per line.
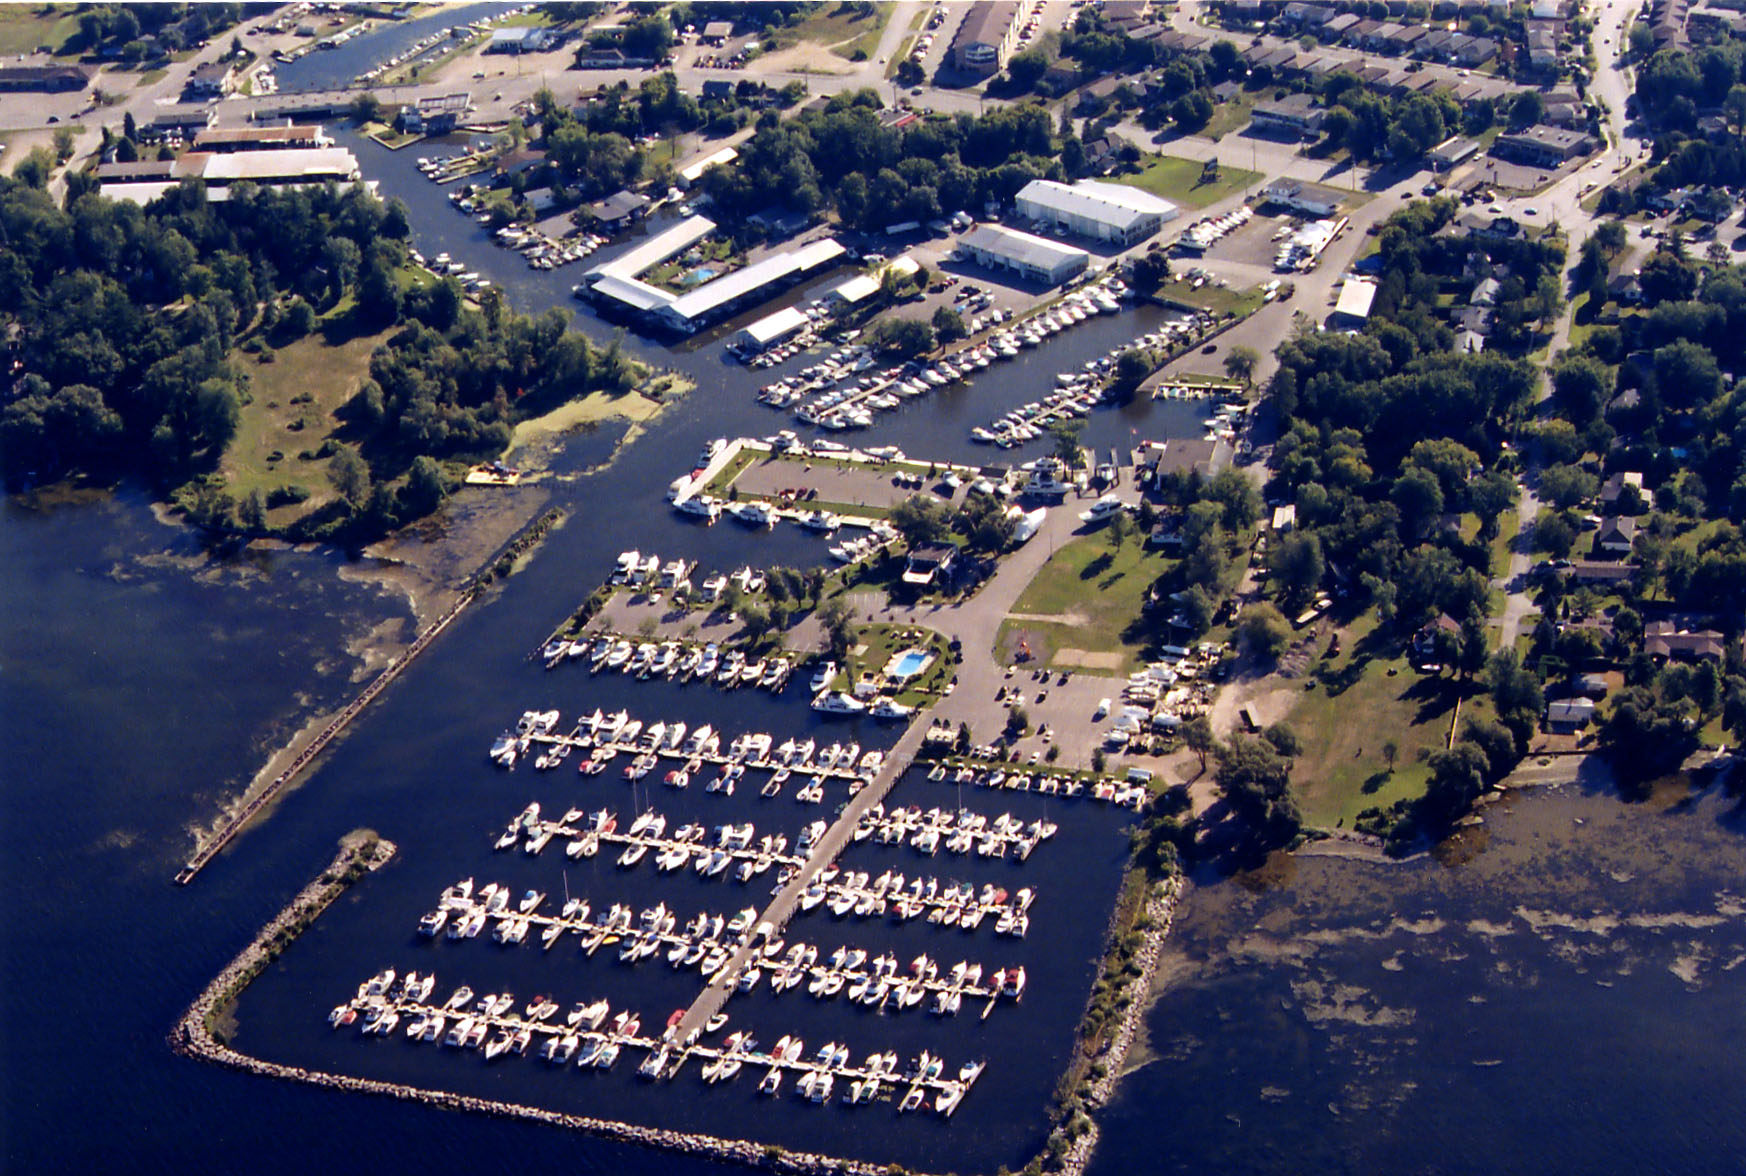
x=787, y=900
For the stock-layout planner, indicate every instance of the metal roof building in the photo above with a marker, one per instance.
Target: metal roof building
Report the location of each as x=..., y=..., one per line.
x=1091, y=208
x=1355, y=299
x=772, y=328
x=1035, y=258
x=696, y=307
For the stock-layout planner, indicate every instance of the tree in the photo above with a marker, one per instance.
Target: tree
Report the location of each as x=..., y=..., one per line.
x=920, y=519
x=1131, y=369
x=252, y=511
x=1457, y=779
x=1554, y=535
x=839, y=626
x=1264, y=629
x=350, y=476
x=948, y=325
x=1025, y=70
x=1298, y=566
x=424, y=490
x=1390, y=753
x=63, y=139
x=1241, y=362
x=1068, y=451
x=366, y=108
x=1256, y=782
x=1566, y=486
x=1197, y=736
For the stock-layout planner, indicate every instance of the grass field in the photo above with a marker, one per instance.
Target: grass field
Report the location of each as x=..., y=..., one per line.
x=1368, y=697
x=1230, y=117
x=291, y=411
x=26, y=28
x=1178, y=179
x=1213, y=299
x=1096, y=592
x=842, y=28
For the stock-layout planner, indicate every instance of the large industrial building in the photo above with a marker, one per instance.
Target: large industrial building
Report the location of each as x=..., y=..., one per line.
x=145, y=181
x=1037, y=259
x=616, y=283
x=1116, y=213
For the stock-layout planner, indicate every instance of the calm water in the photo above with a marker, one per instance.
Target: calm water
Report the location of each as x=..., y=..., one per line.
x=327, y=69
x=1339, y=1015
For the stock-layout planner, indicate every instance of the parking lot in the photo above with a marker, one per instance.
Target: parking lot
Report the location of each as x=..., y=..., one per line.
x=837, y=482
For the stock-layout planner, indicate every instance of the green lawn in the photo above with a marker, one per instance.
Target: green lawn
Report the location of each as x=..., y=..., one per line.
x=1348, y=711
x=1229, y=117
x=876, y=645
x=1178, y=179
x=1213, y=299
x=291, y=411
x=840, y=27
x=27, y=28
x=1097, y=593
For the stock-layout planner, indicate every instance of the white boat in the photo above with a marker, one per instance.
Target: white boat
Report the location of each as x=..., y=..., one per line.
x=836, y=702
x=1028, y=524
x=1106, y=507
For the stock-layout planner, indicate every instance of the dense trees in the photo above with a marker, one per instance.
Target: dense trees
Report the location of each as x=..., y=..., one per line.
x=126, y=319
x=844, y=158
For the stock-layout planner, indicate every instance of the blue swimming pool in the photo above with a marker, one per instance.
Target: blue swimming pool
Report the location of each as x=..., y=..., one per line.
x=909, y=663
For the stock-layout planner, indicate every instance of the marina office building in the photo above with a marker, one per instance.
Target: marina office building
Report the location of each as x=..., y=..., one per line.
x=1035, y=258
x=1117, y=213
x=617, y=283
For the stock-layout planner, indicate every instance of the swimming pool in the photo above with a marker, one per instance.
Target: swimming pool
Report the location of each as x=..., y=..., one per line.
x=909, y=663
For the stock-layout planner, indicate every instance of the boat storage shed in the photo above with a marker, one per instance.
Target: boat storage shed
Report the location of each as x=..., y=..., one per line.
x=1355, y=299
x=771, y=329
x=1035, y=258
x=1117, y=213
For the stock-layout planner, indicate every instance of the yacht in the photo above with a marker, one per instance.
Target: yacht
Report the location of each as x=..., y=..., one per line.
x=1106, y=507
x=754, y=514
x=825, y=675
x=837, y=702
x=699, y=506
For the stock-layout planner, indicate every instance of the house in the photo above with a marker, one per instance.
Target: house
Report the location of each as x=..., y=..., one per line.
x=1095, y=97
x=930, y=563
x=1293, y=195
x=1616, y=536
x=209, y=80
x=1426, y=639
x=1182, y=455
x=520, y=161
x=1285, y=517
x=1615, y=486
x=1166, y=532
x=717, y=31
x=1664, y=639
x=620, y=209
x=179, y=121
x=1485, y=293
x=717, y=90
x=1625, y=288
x=1295, y=115
x=1339, y=26
x=609, y=57
x=1569, y=715
x=1487, y=227
x=1590, y=685
x=1590, y=571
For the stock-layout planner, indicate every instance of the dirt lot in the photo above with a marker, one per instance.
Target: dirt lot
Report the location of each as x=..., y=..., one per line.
x=847, y=485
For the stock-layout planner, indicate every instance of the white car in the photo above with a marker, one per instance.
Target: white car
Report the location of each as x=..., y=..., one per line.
x=1102, y=710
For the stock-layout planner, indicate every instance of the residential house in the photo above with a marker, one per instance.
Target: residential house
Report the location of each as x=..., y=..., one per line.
x=1664, y=639
x=1566, y=716
x=930, y=564
x=1616, y=536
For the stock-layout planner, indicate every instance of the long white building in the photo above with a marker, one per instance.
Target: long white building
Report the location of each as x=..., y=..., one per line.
x=1037, y=259
x=618, y=282
x=1116, y=213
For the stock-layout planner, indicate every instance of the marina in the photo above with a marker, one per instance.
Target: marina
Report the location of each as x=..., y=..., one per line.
x=496, y=1026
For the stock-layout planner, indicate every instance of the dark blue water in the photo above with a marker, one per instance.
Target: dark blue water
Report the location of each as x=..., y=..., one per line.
x=1303, y=1029
x=330, y=69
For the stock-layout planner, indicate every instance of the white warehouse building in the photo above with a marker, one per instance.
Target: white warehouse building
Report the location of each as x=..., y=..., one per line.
x=1035, y=258
x=1116, y=213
